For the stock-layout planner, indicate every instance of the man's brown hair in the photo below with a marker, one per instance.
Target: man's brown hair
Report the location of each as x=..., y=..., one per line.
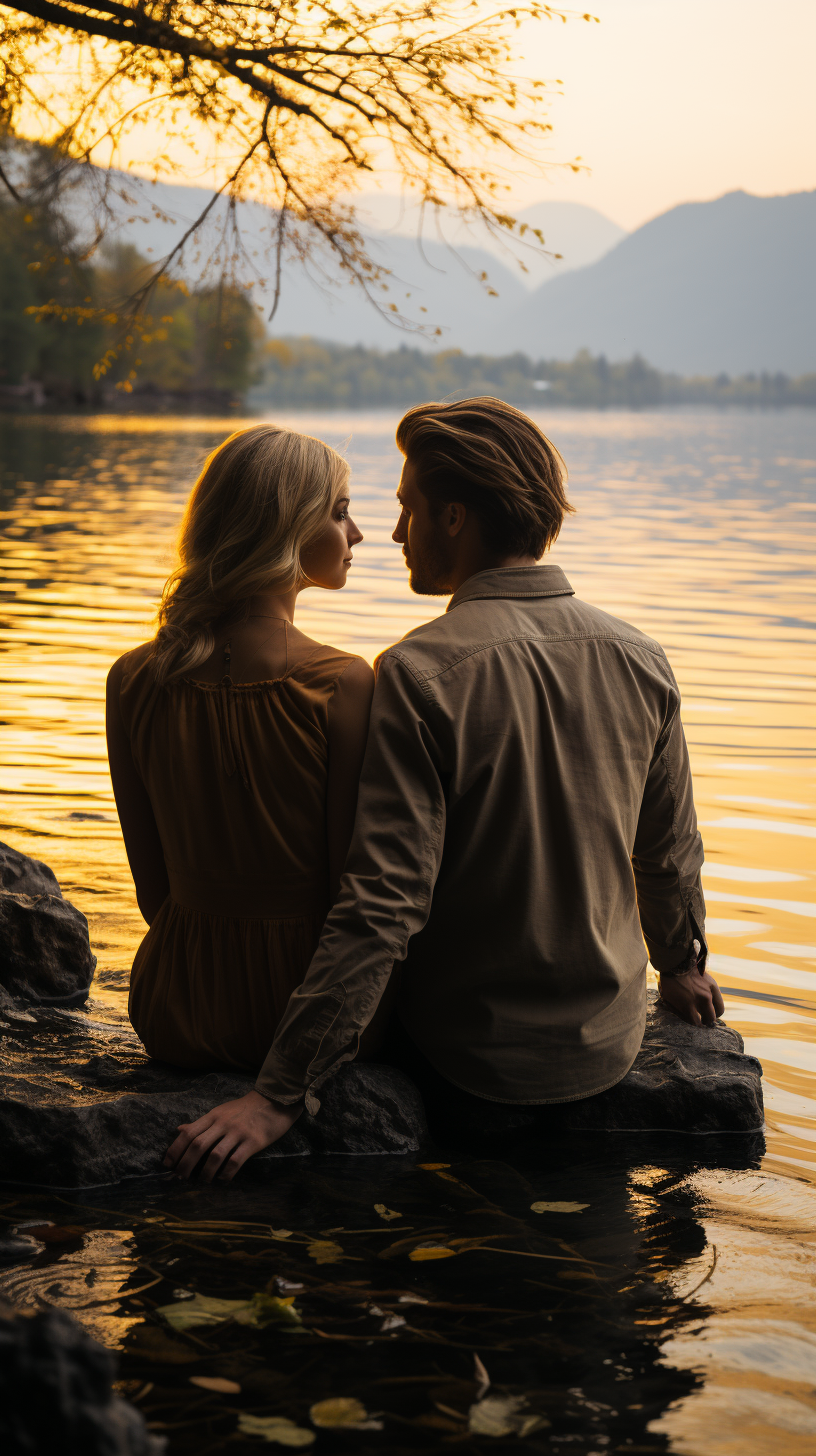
x=497, y=462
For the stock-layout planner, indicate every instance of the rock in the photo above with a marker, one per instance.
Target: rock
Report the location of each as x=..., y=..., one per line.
x=25, y=876
x=82, y=1105
x=690, y=1079
x=684, y=1079
x=45, y=953
x=55, y=1392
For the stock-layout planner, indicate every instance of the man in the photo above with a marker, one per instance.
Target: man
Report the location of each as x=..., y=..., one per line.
x=525, y=815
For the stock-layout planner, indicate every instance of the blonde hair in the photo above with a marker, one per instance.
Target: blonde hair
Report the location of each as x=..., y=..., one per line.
x=261, y=497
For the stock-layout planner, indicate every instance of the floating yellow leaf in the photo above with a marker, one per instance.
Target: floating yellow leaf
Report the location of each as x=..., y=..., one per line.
x=558, y=1207
x=343, y=1411
x=503, y=1415
x=431, y=1251
x=432, y=1167
x=275, y=1428
x=260, y=1310
x=324, y=1251
x=281, y=1233
x=216, y=1383
x=386, y=1213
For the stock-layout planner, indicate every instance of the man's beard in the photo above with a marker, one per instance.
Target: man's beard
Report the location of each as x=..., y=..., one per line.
x=429, y=572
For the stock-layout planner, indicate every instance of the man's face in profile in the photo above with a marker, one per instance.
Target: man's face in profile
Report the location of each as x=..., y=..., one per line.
x=426, y=546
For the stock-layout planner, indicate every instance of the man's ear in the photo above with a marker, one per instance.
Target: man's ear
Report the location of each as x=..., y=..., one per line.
x=455, y=517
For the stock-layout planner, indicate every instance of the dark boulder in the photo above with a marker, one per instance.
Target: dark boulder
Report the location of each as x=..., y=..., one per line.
x=26, y=876
x=45, y=953
x=56, y=1395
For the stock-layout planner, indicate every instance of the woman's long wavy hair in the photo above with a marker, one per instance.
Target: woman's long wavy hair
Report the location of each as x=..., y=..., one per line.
x=262, y=496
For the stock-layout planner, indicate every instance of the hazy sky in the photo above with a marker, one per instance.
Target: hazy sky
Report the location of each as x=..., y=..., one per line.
x=666, y=101
x=676, y=100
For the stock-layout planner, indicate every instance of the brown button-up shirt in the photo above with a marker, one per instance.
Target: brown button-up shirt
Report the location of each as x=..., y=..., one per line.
x=525, y=819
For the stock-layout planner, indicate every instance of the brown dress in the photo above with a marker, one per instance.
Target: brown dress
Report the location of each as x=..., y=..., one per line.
x=236, y=775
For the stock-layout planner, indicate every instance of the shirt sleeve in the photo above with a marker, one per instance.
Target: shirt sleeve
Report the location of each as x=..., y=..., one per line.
x=385, y=892
x=668, y=856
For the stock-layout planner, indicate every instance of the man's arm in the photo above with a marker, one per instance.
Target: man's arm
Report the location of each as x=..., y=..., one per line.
x=667, y=860
x=385, y=893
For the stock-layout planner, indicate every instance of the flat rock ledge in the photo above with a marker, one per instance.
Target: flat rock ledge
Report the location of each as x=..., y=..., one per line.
x=81, y=1105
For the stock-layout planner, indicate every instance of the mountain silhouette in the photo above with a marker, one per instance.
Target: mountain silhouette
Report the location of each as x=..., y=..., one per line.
x=706, y=287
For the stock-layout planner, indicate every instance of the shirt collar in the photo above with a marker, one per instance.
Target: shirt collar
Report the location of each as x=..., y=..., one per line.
x=513, y=581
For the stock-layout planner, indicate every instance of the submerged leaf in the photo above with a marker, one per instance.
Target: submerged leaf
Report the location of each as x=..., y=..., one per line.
x=151, y=1342
x=269, y=1309
x=260, y=1310
x=431, y=1251
x=558, y=1207
x=343, y=1412
x=324, y=1251
x=503, y=1415
x=386, y=1213
x=275, y=1428
x=216, y=1383
x=392, y=1322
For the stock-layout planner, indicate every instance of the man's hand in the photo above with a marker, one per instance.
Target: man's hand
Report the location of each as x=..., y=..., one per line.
x=694, y=995
x=229, y=1135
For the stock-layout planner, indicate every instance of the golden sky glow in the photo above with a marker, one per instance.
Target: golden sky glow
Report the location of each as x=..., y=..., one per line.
x=665, y=101
x=678, y=100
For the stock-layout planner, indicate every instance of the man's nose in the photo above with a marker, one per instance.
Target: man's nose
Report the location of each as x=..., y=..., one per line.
x=398, y=534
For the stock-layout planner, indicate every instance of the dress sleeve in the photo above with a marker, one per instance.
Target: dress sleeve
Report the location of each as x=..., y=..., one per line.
x=668, y=855
x=385, y=893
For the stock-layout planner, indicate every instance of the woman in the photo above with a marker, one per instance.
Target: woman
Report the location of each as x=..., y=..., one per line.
x=235, y=746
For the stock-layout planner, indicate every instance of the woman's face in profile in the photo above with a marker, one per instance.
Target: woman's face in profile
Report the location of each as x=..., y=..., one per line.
x=326, y=559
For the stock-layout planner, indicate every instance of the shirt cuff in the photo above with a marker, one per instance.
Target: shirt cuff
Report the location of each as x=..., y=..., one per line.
x=695, y=955
x=282, y=1081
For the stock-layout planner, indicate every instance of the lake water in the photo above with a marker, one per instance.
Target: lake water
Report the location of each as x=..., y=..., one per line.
x=692, y=1326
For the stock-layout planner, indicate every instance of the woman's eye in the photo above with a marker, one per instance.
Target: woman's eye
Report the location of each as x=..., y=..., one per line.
x=343, y=516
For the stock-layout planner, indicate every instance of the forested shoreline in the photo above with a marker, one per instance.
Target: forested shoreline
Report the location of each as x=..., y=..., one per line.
x=65, y=345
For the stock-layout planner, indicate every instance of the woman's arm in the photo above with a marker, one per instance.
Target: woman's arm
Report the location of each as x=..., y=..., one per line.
x=349, y=712
x=141, y=836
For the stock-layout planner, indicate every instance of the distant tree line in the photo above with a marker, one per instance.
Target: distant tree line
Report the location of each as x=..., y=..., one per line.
x=64, y=342
x=306, y=372
x=62, y=323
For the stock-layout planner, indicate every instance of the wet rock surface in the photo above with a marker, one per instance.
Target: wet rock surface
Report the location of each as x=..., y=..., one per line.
x=45, y=953
x=56, y=1395
x=81, y=1104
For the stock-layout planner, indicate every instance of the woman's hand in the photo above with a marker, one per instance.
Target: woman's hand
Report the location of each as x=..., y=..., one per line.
x=229, y=1135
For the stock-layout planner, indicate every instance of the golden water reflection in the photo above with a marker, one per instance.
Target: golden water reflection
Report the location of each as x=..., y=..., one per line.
x=698, y=528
